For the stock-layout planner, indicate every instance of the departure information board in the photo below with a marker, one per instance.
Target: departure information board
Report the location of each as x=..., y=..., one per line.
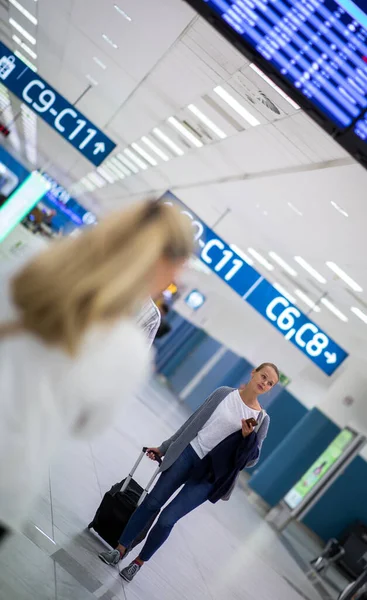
x=315, y=49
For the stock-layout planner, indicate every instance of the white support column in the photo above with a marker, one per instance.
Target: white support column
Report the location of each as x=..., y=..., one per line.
x=345, y=402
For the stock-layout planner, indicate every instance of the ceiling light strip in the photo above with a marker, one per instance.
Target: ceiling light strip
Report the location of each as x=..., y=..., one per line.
x=237, y=107
x=359, y=313
x=208, y=122
x=25, y=60
x=116, y=170
x=88, y=184
x=24, y=47
x=330, y=306
x=307, y=300
x=99, y=63
x=24, y=11
x=106, y=174
x=135, y=159
x=185, y=132
x=120, y=166
x=167, y=140
x=109, y=41
x=344, y=276
x=23, y=31
x=284, y=292
x=155, y=148
x=144, y=154
x=260, y=259
x=307, y=267
x=130, y=165
x=241, y=254
x=339, y=208
x=111, y=173
x=295, y=209
x=122, y=13
x=285, y=266
x=96, y=179
x=91, y=80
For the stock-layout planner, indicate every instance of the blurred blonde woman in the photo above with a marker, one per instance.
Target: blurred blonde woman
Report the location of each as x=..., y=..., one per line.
x=70, y=349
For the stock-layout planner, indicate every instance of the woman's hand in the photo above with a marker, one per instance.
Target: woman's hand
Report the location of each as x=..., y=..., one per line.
x=247, y=428
x=152, y=453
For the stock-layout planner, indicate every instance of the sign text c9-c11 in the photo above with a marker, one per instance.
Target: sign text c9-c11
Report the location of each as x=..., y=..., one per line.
x=53, y=108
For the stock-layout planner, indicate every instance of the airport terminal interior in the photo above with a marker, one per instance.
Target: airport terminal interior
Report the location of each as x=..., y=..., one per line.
x=249, y=117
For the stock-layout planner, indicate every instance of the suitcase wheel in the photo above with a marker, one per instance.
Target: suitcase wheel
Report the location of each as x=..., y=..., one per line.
x=90, y=526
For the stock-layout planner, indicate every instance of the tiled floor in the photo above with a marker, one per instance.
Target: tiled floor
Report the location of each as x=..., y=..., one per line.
x=221, y=552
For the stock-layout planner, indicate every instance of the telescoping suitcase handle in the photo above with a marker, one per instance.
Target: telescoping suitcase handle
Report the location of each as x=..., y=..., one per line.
x=152, y=479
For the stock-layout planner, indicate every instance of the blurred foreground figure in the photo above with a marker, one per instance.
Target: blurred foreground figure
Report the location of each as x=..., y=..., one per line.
x=71, y=350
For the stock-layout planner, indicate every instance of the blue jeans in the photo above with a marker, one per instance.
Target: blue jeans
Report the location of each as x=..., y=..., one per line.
x=190, y=497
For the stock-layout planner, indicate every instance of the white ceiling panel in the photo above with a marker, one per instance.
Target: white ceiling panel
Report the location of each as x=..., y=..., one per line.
x=193, y=77
x=212, y=50
x=187, y=170
x=141, y=113
x=259, y=149
x=156, y=180
x=305, y=135
x=52, y=38
x=140, y=46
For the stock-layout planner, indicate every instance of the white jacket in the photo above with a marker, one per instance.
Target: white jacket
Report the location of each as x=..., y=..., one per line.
x=45, y=396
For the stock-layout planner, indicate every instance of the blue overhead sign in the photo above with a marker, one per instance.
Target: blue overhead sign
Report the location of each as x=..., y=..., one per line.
x=53, y=108
x=294, y=325
x=75, y=213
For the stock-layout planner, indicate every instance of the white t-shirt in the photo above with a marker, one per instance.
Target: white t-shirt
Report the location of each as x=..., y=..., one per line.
x=225, y=420
x=47, y=396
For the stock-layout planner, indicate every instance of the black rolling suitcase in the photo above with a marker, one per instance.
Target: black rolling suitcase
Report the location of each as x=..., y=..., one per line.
x=118, y=505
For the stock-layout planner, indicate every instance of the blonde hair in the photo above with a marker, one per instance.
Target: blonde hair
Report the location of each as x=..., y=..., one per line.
x=98, y=276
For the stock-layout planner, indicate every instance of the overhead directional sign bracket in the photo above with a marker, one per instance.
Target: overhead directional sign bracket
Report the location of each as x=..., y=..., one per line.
x=53, y=108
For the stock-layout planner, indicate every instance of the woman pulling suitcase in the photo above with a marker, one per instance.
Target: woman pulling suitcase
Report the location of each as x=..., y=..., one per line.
x=205, y=456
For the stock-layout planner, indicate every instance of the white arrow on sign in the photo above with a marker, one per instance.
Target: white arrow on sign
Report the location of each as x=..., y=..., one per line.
x=99, y=147
x=330, y=357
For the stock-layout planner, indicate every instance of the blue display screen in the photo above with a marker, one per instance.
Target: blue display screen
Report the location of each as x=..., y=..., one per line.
x=294, y=325
x=319, y=46
x=195, y=299
x=53, y=108
x=360, y=128
x=70, y=213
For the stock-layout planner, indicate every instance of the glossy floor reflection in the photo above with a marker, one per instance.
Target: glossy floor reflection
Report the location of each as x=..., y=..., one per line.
x=221, y=552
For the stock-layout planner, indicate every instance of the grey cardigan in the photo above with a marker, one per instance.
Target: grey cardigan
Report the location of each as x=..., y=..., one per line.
x=172, y=448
